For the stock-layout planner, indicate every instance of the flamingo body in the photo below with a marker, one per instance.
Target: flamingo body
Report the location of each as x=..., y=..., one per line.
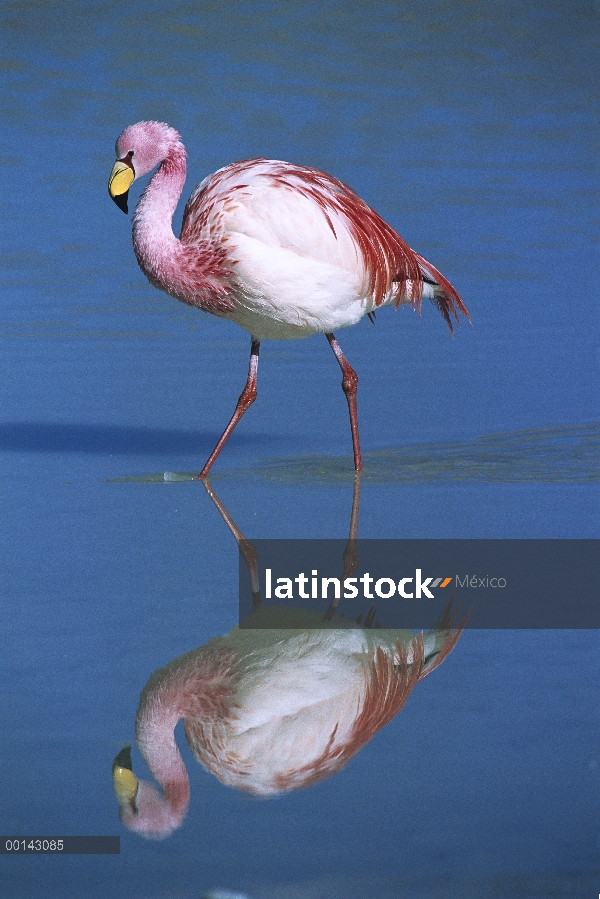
x=272, y=710
x=285, y=251
x=294, y=238
x=291, y=717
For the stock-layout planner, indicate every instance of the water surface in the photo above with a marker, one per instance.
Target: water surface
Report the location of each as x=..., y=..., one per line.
x=470, y=127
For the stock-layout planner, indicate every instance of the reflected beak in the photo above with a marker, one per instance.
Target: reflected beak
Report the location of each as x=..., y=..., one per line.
x=121, y=179
x=125, y=782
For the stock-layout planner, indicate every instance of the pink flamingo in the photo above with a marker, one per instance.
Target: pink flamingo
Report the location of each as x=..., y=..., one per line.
x=277, y=705
x=269, y=710
x=283, y=250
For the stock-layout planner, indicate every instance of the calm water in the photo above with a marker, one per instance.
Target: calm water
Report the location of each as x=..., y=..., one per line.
x=470, y=127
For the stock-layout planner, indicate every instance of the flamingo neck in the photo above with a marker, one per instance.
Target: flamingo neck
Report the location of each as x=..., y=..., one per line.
x=156, y=741
x=196, y=274
x=156, y=247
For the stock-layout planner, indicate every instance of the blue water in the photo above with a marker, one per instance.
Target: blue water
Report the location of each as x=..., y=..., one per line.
x=471, y=128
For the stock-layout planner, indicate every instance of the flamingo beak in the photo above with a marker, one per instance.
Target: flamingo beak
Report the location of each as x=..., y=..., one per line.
x=125, y=782
x=121, y=179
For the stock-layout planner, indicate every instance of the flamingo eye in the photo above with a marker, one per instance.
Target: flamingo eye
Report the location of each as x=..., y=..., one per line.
x=130, y=154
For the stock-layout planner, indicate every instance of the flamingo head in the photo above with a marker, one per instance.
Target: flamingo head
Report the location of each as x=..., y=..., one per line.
x=139, y=149
x=142, y=808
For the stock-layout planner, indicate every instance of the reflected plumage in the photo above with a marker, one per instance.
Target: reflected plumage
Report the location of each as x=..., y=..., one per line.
x=283, y=250
x=268, y=711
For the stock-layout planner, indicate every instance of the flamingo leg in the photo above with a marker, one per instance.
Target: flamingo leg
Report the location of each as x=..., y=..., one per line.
x=350, y=556
x=246, y=399
x=247, y=550
x=349, y=385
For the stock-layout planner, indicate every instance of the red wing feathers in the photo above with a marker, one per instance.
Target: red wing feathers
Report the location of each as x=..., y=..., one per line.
x=200, y=206
x=389, y=262
x=387, y=689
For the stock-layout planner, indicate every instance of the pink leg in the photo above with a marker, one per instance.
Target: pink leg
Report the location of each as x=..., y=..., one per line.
x=247, y=550
x=246, y=399
x=349, y=384
x=350, y=556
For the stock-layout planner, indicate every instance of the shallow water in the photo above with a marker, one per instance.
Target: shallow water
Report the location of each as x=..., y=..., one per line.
x=568, y=454
x=470, y=127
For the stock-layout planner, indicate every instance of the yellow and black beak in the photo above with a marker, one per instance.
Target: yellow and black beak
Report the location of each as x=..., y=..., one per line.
x=121, y=179
x=125, y=782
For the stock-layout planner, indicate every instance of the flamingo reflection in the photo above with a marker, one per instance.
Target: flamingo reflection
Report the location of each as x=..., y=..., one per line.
x=269, y=710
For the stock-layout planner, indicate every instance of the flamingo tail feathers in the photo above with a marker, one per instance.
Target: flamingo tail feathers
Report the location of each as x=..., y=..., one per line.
x=445, y=296
x=448, y=631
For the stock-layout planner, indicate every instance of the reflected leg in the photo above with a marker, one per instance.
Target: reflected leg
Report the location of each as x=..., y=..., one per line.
x=247, y=550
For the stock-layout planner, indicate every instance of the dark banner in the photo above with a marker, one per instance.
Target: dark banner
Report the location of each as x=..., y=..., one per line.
x=409, y=583
x=53, y=845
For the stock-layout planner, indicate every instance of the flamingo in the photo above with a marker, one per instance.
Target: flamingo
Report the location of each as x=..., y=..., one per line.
x=268, y=711
x=274, y=706
x=283, y=250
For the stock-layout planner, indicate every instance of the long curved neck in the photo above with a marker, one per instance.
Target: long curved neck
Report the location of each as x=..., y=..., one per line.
x=156, y=247
x=155, y=726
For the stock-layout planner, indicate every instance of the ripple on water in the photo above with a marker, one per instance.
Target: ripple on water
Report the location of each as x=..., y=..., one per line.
x=562, y=454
